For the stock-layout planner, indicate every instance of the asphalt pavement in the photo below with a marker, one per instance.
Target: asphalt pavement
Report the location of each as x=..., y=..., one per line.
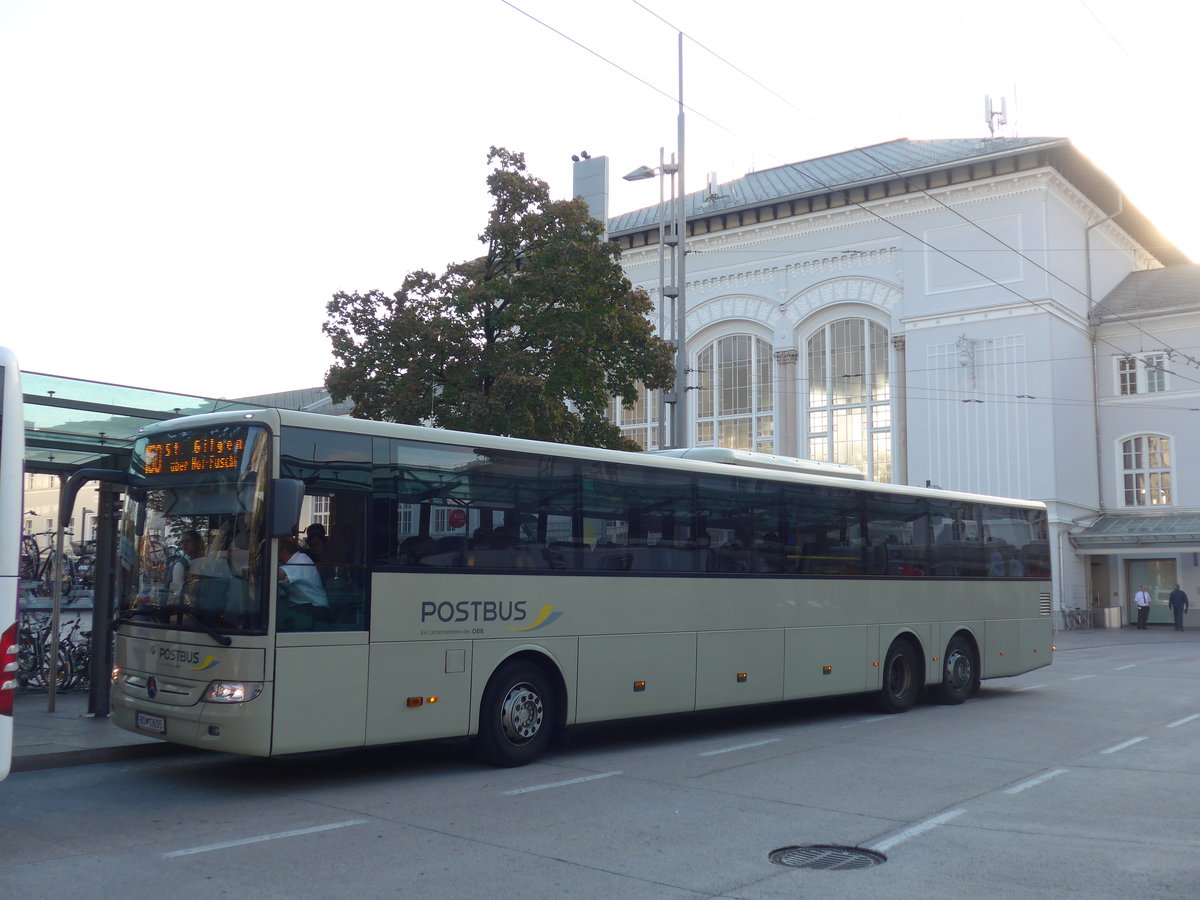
x=70, y=736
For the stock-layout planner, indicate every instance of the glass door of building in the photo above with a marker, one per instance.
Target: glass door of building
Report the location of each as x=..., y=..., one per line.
x=1158, y=575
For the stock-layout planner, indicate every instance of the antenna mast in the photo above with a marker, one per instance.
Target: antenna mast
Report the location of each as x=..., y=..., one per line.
x=995, y=117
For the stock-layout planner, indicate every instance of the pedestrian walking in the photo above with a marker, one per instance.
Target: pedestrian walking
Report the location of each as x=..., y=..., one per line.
x=1142, y=599
x=1179, y=605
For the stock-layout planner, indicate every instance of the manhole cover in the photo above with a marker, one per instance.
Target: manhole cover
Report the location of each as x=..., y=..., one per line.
x=826, y=856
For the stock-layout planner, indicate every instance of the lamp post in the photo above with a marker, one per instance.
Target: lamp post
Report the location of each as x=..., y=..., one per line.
x=677, y=291
x=664, y=290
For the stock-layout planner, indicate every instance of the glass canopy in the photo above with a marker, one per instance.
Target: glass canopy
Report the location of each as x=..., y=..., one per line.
x=71, y=423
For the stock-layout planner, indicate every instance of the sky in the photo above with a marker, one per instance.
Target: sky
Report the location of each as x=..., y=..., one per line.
x=186, y=185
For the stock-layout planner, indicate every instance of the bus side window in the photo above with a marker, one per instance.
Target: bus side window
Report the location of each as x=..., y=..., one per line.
x=332, y=527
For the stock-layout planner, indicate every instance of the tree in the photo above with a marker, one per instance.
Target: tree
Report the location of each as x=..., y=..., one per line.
x=529, y=340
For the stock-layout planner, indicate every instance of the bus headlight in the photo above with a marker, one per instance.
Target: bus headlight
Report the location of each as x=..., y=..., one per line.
x=232, y=691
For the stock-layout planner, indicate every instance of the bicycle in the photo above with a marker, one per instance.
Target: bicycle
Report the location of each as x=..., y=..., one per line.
x=37, y=566
x=79, y=655
x=33, y=653
x=1077, y=618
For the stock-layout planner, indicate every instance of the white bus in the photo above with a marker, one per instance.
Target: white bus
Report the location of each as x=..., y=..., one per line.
x=451, y=584
x=12, y=467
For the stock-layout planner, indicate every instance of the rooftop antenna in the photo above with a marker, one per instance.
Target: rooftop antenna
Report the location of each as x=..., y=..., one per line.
x=993, y=116
x=713, y=194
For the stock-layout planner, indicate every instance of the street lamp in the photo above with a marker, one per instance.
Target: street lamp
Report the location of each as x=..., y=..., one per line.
x=664, y=291
x=678, y=292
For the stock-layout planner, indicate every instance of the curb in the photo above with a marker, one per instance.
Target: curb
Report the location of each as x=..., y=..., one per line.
x=38, y=761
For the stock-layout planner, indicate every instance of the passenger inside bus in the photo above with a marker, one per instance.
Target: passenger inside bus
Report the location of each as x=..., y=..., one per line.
x=314, y=542
x=298, y=574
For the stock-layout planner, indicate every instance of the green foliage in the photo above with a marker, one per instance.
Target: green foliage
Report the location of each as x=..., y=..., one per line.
x=529, y=340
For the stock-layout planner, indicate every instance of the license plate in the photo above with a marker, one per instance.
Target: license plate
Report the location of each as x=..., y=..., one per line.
x=156, y=724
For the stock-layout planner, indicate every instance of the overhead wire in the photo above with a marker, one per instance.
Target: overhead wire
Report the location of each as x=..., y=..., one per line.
x=1004, y=247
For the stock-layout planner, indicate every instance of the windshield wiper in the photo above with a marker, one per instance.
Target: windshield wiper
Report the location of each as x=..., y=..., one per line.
x=154, y=609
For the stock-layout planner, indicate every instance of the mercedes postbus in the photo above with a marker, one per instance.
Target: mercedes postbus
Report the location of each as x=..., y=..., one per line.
x=12, y=467
x=291, y=582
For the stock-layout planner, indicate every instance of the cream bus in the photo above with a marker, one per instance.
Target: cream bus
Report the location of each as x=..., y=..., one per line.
x=449, y=584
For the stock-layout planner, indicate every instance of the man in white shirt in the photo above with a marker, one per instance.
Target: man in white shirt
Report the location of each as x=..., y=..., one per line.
x=1142, y=599
x=299, y=573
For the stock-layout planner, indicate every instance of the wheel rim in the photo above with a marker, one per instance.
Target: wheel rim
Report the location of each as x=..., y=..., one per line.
x=899, y=676
x=958, y=670
x=521, y=713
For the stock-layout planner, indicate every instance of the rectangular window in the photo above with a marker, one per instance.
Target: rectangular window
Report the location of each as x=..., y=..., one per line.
x=328, y=592
x=1156, y=373
x=404, y=519
x=1134, y=489
x=881, y=452
x=735, y=434
x=1142, y=375
x=320, y=510
x=704, y=378
x=766, y=390
x=734, y=375
x=1146, y=460
x=1127, y=376
x=818, y=394
x=1158, y=452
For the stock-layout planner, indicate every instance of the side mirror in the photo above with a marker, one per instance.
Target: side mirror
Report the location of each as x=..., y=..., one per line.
x=288, y=495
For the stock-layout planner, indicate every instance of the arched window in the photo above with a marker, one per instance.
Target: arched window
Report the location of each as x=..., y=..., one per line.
x=849, y=397
x=1146, y=466
x=735, y=394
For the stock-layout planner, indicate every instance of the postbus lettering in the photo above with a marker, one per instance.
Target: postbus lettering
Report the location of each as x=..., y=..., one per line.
x=175, y=655
x=474, y=611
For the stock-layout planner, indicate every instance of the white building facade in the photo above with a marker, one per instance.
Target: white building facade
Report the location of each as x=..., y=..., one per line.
x=933, y=312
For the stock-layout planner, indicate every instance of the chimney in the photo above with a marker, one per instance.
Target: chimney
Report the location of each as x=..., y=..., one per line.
x=591, y=183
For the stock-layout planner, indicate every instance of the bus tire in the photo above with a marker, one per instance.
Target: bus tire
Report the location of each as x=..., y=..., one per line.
x=901, y=677
x=960, y=672
x=517, y=715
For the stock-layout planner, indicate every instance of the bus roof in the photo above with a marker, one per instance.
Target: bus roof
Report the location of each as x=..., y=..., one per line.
x=698, y=459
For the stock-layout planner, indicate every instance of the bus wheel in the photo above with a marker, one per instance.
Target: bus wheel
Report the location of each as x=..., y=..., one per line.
x=960, y=672
x=900, y=672
x=516, y=718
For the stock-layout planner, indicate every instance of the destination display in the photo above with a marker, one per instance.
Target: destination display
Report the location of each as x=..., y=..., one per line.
x=188, y=453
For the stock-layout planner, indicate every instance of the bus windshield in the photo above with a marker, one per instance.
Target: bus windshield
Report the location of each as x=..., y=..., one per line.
x=193, y=534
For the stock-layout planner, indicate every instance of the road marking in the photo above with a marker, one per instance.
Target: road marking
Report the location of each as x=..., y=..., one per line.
x=1032, y=687
x=740, y=747
x=1034, y=782
x=1081, y=677
x=265, y=837
x=1136, y=740
x=913, y=831
x=1191, y=718
x=554, y=784
x=1119, y=668
x=869, y=721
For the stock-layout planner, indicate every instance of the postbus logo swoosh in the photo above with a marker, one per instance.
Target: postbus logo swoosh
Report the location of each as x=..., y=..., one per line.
x=545, y=617
x=208, y=663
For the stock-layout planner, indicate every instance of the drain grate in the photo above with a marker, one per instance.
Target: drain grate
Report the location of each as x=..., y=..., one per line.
x=829, y=857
